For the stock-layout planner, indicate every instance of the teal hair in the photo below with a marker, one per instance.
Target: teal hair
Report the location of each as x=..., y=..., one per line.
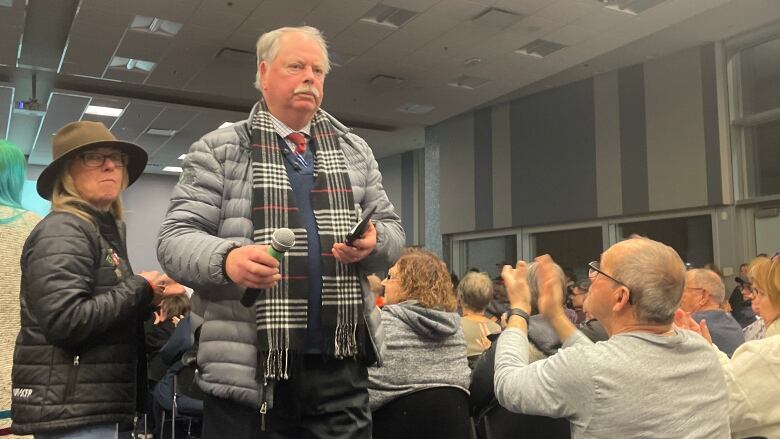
x=12, y=165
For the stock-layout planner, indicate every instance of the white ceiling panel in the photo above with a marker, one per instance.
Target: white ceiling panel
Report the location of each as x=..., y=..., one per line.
x=228, y=74
x=460, y=10
x=526, y=7
x=236, y=7
x=570, y=35
x=210, y=18
x=604, y=19
x=567, y=11
x=180, y=64
x=175, y=10
x=9, y=43
x=135, y=120
x=62, y=109
x=333, y=16
x=412, y=5
x=87, y=56
x=197, y=34
x=133, y=76
x=100, y=24
x=144, y=46
x=6, y=102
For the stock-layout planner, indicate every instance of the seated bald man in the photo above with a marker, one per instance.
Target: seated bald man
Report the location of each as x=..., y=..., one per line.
x=703, y=295
x=648, y=380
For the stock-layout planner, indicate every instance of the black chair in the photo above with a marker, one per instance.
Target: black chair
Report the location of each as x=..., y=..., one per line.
x=434, y=413
x=499, y=423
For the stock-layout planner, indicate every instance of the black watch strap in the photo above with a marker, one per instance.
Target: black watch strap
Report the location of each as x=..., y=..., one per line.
x=518, y=312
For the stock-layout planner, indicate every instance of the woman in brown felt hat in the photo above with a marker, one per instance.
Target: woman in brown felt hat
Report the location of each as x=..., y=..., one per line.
x=76, y=362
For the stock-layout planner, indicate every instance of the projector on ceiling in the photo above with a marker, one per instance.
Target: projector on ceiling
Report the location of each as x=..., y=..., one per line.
x=30, y=107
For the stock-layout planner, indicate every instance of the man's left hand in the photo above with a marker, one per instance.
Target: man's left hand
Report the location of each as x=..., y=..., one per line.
x=350, y=254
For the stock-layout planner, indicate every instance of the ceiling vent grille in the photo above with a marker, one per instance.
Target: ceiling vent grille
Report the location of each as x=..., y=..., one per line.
x=468, y=82
x=386, y=81
x=415, y=108
x=388, y=16
x=540, y=48
x=633, y=7
x=495, y=18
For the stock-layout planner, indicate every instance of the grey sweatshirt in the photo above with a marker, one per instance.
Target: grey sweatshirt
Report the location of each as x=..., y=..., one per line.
x=635, y=385
x=424, y=348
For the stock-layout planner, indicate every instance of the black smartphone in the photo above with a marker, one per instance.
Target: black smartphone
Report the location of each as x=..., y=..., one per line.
x=360, y=228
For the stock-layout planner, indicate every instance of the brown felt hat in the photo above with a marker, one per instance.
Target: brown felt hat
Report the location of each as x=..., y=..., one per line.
x=77, y=137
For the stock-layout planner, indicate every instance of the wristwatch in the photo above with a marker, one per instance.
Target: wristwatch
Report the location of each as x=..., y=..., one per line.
x=518, y=312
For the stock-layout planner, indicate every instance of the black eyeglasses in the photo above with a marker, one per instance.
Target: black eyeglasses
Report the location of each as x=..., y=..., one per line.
x=96, y=159
x=594, y=270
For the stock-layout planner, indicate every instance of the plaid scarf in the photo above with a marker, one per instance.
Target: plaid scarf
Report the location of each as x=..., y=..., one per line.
x=282, y=310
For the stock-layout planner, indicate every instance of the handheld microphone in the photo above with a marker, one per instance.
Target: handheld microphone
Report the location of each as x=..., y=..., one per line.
x=282, y=240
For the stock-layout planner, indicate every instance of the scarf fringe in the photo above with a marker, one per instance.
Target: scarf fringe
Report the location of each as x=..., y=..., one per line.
x=276, y=364
x=345, y=341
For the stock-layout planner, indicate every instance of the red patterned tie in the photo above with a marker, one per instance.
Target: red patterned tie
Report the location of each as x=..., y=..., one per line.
x=299, y=140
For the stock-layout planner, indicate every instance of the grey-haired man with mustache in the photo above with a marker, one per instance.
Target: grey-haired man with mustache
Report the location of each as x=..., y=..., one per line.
x=294, y=363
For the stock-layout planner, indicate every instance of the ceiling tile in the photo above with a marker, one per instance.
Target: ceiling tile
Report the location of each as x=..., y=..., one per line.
x=412, y=5
x=526, y=7
x=603, y=19
x=180, y=64
x=215, y=19
x=135, y=120
x=236, y=7
x=460, y=10
x=567, y=11
x=143, y=46
x=570, y=35
x=61, y=110
x=87, y=56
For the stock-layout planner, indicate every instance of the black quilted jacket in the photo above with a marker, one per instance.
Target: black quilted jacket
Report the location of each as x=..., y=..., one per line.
x=76, y=356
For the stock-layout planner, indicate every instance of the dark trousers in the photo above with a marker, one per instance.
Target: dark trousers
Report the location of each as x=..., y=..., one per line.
x=325, y=398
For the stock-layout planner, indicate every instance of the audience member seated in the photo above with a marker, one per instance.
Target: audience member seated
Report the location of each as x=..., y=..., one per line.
x=481, y=388
x=475, y=291
x=703, y=295
x=424, y=344
x=499, y=305
x=753, y=373
x=647, y=380
x=180, y=342
x=591, y=327
x=740, y=299
x=577, y=294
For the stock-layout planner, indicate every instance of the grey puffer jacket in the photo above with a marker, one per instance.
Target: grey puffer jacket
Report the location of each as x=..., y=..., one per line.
x=210, y=212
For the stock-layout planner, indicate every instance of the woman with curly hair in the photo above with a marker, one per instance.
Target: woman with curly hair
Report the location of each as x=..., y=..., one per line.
x=424, y=342
x=753, y=373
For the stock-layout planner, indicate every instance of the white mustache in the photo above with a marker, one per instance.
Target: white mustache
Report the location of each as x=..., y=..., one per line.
x=306, y=88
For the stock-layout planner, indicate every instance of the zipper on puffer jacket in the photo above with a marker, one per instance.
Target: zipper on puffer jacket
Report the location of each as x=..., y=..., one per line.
x=72, y=377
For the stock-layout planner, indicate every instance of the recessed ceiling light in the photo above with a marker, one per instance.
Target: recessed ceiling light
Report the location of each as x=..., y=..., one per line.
x=175, y=169
x=182, y=157
x=119, y=62
x=155, y=25
x=97, y=110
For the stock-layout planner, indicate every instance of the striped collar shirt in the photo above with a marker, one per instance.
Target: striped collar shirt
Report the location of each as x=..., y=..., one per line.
x=283, y=130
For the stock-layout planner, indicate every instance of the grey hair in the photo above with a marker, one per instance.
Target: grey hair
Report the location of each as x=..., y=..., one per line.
x=710, y=281
x=533, y=283
x=655, y=276
x=475, y=291
x=267, y=46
